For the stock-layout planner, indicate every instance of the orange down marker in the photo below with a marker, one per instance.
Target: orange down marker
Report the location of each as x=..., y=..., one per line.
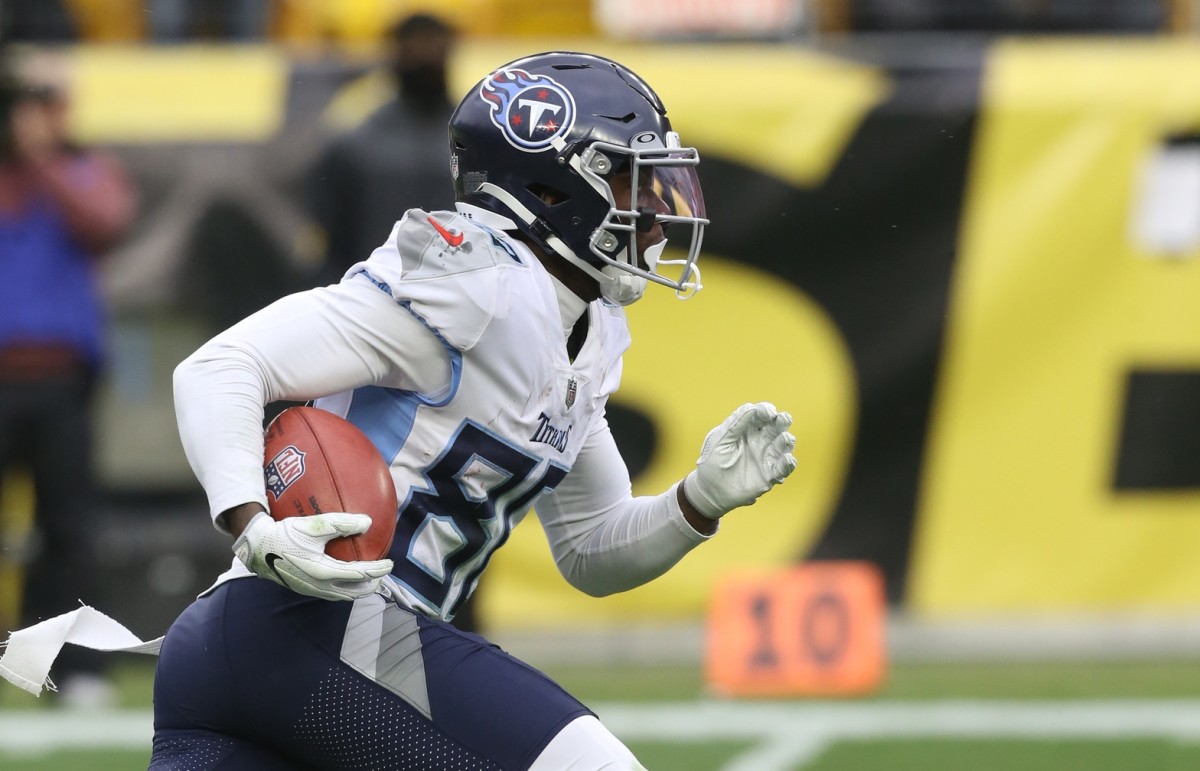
x=814, y=630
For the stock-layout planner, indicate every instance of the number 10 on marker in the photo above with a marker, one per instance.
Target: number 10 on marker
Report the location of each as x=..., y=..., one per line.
x=817, y=629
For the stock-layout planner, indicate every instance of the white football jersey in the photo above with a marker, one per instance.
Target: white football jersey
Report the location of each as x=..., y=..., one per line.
x=469, y=461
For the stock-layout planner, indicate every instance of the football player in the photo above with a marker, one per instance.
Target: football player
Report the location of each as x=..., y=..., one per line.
x=477, y=349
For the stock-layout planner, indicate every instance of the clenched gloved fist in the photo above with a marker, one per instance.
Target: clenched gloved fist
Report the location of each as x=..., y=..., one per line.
x=291, y=552
x=748, y=454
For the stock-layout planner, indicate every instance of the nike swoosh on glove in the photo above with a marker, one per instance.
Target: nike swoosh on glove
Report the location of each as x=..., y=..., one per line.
x=745, y=456
x=291, y=552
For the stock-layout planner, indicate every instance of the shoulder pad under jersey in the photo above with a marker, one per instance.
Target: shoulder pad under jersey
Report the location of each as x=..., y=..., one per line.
x=446, y=269
x=434, y=244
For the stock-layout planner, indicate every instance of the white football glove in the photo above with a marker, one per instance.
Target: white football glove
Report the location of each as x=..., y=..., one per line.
x=291, y=552
x=748, y=454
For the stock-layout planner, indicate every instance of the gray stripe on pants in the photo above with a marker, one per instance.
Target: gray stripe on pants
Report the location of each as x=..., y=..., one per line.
x=383, y=642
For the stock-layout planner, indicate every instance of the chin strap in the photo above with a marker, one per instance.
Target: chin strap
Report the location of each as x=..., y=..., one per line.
x=620, y=286
x=529, y=218
x=616, y=285
x=484, y=217
x=625, y=288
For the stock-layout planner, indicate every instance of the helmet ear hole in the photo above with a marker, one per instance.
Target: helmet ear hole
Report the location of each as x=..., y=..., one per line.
x=546, y=194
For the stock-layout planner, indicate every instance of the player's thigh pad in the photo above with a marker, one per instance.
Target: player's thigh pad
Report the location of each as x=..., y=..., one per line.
x=467, y=687
x=586, y=745
x=363, y=684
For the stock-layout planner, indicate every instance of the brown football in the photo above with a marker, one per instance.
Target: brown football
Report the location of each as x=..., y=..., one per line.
x=315, y=462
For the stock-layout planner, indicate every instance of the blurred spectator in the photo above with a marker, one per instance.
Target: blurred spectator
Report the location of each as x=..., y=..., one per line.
x=61, y=207
x=174, y=21
x=397, y=159
x=37, y=21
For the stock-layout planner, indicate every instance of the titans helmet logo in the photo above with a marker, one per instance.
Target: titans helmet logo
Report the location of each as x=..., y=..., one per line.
x=530, y=110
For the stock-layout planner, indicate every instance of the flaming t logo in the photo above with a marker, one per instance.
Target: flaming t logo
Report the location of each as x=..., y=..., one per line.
x=530, y=110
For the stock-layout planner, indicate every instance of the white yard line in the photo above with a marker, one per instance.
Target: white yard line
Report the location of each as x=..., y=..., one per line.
x=44, y=730
x=784, y=734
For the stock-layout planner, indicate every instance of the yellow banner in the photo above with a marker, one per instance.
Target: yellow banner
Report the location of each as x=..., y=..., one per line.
x=178, y=94
x=1051, y=306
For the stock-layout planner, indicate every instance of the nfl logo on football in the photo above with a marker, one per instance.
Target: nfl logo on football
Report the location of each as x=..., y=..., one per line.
x=284, y=469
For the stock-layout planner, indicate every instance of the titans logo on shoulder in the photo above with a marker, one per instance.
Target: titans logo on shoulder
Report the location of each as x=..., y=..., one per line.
x=530, y=110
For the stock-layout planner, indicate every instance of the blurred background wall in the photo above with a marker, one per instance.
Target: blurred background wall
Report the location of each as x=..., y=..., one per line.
x=957, y=240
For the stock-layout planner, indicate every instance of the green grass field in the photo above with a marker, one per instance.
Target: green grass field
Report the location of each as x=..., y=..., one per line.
x=1140, y=716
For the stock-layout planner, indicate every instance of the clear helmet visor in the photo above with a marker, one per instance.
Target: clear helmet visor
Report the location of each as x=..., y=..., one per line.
x=679, y=187
x=683, y=224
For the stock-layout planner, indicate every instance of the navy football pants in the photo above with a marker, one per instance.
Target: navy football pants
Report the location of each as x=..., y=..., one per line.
x=253, y=676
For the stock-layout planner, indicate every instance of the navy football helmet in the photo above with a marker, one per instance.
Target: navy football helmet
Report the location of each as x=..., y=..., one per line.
x=534, y=146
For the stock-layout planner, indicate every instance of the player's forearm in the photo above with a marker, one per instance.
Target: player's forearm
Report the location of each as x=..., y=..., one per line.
x=300, y=347
x=219, y=398
x=627, y=546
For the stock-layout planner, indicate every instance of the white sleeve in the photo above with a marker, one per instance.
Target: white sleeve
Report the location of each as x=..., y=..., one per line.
x=304, y=346
x=603, y=539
